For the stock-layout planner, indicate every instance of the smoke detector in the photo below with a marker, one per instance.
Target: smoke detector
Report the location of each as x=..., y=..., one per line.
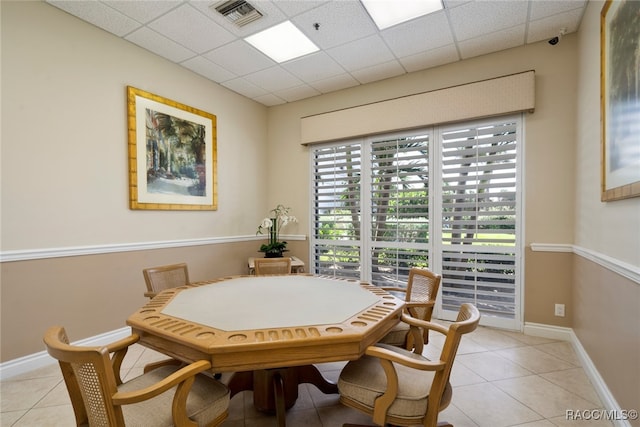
x=239, y=12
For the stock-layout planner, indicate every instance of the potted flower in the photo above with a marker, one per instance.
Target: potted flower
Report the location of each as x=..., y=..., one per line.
x=272, y=225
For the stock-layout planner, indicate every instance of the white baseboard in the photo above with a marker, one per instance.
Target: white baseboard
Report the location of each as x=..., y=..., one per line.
x=41, y=359
x=548, y=331
x=566, y=334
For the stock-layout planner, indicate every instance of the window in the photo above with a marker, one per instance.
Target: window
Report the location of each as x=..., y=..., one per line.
x=445, y=198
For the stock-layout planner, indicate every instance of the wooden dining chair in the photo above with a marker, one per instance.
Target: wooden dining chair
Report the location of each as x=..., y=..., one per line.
x=401, y=387
x=168, y=393
x=264, y=266
x=420, y=297
x=165, y=277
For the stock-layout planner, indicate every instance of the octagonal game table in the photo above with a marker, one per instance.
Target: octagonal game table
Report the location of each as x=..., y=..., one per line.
x=268, y=330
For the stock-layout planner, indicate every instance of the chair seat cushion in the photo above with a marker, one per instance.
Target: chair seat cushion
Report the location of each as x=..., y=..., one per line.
x=207, y=400
x=397, y=336
x=364, y=380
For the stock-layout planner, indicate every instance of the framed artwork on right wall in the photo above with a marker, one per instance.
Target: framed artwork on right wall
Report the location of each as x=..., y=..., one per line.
x=620, y=99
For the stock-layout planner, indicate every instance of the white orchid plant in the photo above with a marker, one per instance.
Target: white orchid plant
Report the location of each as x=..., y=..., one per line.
x=279, y=218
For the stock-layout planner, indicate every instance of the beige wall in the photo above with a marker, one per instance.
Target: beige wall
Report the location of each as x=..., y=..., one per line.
x=607, y=323
x=606, y=305
x=610, y=228
x=64, y=138
x=548, y=277
x=93, y=294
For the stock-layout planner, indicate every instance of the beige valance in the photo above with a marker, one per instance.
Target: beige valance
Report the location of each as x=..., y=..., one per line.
x=501, y=95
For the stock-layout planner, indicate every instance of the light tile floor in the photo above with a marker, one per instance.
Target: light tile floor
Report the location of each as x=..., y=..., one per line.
x=500, y=378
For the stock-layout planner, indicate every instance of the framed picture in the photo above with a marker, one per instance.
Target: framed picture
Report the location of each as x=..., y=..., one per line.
x=172, y=154
x=620, y=99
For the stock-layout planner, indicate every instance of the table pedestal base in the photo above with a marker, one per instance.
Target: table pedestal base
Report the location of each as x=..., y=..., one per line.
x=276, y=390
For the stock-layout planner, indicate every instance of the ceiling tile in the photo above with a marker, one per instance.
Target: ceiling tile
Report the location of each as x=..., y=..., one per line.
x=292, y=8
x=475, y=19
x=143, y=11
x=340, y=22
x=500, y=40
x=361, y=53
x=543, y=8
x=540, y=29
x=273, y=79
x=160, y=45
x=297, y=93
x=244, y=87
x=269, y=100
x=432, y=58
x=379, y=72
x=240, y=58
x=418, y=35
x=316, y=66
x=208, y=69
x=99, y=15
x=339, y=82
x=188, y=27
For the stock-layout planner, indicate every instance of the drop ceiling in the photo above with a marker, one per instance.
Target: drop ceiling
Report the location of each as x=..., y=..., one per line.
x=352, y=49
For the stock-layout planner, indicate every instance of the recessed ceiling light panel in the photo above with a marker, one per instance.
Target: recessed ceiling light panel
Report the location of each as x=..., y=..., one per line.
x=387, y=13
x=282, y=42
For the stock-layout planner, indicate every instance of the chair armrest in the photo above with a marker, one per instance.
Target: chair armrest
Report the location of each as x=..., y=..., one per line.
x=123, y=343
x=181, y=375
x=159, y=364
x=403, y=357
x=419, y=304
x=412, y=321
x=119, y=350
x=150, y=294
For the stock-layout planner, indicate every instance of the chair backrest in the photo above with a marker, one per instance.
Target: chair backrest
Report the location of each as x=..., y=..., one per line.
x=422, y=290
x=272, y=266
x=441, y=392
x=165, y=277
x=89, y=377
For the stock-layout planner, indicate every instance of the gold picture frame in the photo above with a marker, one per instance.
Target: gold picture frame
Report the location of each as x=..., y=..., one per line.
x=172, y=154
x=619, y=99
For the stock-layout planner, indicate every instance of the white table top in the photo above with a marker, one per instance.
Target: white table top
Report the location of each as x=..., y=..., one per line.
x=270, y=302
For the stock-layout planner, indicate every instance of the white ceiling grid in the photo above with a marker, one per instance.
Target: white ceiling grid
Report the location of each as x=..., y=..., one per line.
x=352, y=49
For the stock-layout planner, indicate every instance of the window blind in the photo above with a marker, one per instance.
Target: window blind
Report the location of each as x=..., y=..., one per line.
x=336, y=210
x=399, y=207
x=479, y=182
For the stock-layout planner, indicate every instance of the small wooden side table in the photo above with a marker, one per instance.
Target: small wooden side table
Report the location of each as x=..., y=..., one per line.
x=297, y=265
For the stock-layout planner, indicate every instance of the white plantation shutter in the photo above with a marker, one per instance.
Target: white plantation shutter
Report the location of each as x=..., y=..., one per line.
x=479, y=205
x=399, y=206
x=336, y=210
x=445, y=198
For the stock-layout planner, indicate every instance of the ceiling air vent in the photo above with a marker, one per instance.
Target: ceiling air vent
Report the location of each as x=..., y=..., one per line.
x=238, y=12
